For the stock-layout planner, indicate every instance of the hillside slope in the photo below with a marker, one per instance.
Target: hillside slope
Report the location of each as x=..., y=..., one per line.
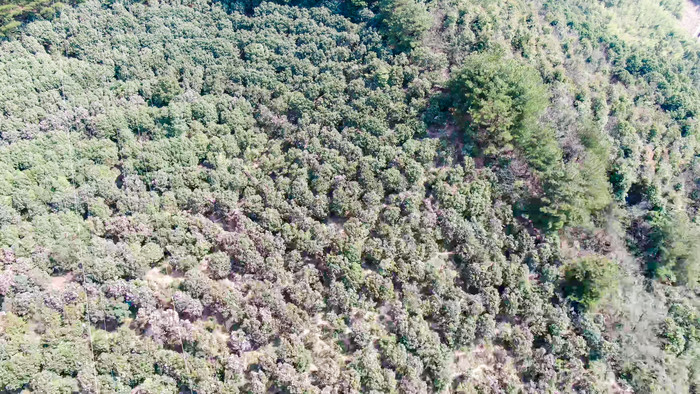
x=350, y=196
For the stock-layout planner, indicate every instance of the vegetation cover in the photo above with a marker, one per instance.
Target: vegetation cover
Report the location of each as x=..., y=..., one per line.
x=14, y=12
x=335, y=196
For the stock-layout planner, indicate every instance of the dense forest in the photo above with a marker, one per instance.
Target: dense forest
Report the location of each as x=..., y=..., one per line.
x=344, y=196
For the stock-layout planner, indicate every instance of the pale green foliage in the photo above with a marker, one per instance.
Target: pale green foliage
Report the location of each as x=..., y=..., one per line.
x=348, y=196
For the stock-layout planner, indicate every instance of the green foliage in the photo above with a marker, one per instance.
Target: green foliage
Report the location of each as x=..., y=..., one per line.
x=589, y=280
x=219, y=265
x=499, y=101
x=338, y=196
x=406, y=22
x=668, y=248
x=15, y=12
x=572, y=195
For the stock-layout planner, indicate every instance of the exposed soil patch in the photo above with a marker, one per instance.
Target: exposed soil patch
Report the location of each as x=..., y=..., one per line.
x=59, y=283
x=690, y=21
x=159, y=278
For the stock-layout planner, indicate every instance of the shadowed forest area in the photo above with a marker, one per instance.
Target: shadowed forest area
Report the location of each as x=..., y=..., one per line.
x=344, y=196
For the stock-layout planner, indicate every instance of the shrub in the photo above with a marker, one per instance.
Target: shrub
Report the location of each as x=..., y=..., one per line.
x=498, y=102
x=589, y=280
x=406, y=22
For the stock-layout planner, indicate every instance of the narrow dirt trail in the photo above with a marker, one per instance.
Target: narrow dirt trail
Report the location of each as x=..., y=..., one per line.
x=690, y=21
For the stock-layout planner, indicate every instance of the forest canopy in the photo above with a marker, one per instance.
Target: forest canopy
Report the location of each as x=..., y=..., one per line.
x=347, y=196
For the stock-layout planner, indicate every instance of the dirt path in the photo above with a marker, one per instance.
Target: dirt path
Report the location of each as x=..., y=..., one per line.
x=690, y=21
